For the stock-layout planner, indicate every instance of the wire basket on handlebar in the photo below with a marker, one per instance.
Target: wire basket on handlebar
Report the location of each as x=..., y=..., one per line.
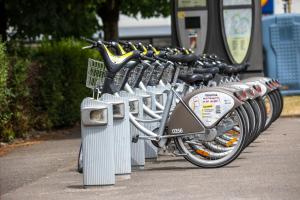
x=96, y=73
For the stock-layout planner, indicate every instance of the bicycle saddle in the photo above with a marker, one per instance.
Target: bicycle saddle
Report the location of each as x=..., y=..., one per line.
x=181, y=58
x=242, y=67
x=191, y=78
x=213, y=70
x=114, y=62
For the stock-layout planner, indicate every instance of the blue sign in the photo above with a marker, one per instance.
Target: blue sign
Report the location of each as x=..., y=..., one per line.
x=267, y=6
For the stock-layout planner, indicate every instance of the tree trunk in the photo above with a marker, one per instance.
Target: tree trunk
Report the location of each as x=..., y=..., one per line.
x=110, y=28
x=109, y=13
x=3, y=21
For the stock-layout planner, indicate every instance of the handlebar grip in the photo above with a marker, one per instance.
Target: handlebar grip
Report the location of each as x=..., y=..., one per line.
x=88, y=47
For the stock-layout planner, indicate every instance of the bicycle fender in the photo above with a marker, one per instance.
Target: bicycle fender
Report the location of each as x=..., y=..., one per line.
x=263, y=86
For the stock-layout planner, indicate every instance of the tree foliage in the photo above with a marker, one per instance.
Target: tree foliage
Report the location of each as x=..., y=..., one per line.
x=109, y=11
x=5, y=114
x=31, y=18
x=147, y=8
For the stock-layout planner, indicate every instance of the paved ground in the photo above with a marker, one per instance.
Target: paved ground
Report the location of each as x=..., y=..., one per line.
x=268, y=169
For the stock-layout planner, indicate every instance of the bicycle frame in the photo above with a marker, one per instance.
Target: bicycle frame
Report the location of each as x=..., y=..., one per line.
x=160, y=136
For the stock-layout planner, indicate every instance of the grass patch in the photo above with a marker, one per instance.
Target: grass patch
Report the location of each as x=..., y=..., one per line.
x=291, y=106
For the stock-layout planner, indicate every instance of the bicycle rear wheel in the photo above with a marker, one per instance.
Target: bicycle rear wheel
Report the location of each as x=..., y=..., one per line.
x=260, y=118
x=195, y=152
x=279, y=99
x=270, y=110
x=253, y=124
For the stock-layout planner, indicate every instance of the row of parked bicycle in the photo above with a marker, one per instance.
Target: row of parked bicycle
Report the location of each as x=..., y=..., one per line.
x=202, y=110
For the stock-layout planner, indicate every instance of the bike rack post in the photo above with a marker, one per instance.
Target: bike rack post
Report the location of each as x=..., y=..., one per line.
x=137, y=148
x=97, y=143
x=161, y=96
x=121, y=130
x=149, y=100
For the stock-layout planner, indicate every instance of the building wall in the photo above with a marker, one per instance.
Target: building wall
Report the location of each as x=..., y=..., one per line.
x=279, y=6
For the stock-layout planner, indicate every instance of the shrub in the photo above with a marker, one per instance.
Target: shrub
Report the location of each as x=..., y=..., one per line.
x=20, y=101
x=14, y=96
x=41, y=86
x=61, y=82
x=5, y=115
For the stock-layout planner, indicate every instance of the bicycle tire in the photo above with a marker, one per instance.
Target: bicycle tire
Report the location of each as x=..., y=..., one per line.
x=189, y=157
x=79, y=160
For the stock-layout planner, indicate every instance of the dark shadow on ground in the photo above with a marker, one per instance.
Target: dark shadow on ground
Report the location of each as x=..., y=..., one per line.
x=167, y=161
x=175, y=168
x=76, y=187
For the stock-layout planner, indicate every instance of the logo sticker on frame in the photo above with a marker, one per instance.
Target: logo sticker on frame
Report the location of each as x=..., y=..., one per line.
x=211, y=106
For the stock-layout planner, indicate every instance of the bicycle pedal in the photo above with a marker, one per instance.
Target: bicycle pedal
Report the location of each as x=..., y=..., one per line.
x=135, y=139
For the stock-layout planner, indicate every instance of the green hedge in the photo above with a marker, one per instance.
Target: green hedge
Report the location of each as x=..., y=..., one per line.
x=20, y=100
x=61, y=81
x=5, y=114
x=14, y=98
x=42, y=88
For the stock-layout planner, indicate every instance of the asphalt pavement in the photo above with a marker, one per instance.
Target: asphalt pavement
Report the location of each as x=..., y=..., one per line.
x=267, y=169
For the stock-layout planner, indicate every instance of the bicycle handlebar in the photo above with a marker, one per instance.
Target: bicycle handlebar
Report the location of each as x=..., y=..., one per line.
x=88, y=47
x=123, y=42
x=88, y=40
